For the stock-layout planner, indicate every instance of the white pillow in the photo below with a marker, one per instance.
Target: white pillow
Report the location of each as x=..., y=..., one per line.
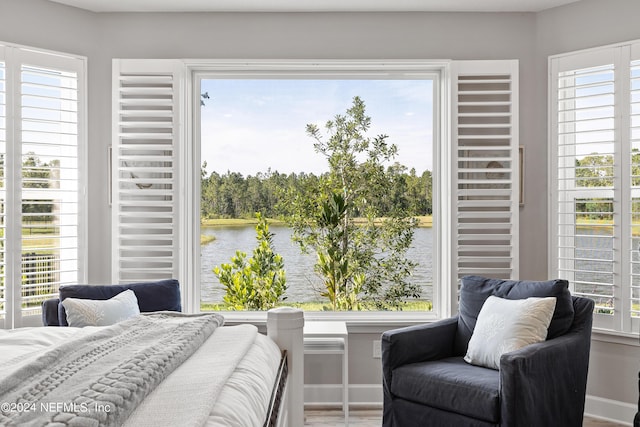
x=506, y=325
x=89, y=312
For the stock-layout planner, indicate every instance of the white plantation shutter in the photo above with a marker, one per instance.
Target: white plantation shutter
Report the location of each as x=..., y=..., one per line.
x=595, y=165
x=3, y=186
x=634, y=206
x=585, y=156
x=146, y=142
x=485, y=165
x=50, y=159
x=42, y=190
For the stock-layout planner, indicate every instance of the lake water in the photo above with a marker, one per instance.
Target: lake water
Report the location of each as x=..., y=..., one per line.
x=303, y=283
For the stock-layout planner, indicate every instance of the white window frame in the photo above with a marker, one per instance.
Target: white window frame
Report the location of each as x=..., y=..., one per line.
x=15, y=56
x=620, y=54
x=475, y=127
x=436, y=70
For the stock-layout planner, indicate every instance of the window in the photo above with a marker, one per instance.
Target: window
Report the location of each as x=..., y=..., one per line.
x=595, y=134
x=157, y=165
x=41, y=147
x=258, y=157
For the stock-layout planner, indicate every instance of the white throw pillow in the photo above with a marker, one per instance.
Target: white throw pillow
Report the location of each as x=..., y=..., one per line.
x=89, y=312
x=506, y=325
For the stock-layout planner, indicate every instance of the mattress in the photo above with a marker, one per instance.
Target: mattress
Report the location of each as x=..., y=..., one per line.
x=242, y=401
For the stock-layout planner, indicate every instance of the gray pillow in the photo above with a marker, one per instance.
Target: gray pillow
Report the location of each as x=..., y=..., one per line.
x=475, y=290
x=88, y=312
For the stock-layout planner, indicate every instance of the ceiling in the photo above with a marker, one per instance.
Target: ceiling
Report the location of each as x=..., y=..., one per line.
x=315, y=5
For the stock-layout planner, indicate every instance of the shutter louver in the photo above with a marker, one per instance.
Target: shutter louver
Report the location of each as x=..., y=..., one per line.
x=145, y=175
x=486, y=161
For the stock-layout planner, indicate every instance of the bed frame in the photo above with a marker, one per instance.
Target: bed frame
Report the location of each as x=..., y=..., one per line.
x=285, y=328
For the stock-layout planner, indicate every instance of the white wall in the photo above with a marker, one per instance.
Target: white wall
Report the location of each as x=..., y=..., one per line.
x=527, y=37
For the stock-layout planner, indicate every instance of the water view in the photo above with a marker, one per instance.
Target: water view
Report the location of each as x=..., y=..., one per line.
x=304, y=284
x=318, y=154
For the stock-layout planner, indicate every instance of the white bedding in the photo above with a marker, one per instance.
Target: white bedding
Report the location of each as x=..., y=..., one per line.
x=241, y=402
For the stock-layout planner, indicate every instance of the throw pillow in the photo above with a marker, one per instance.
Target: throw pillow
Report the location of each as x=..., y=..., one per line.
x=474, y=290
x=88, y=312
x=506, y=325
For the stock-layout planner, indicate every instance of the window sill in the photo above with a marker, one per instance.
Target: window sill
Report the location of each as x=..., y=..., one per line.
x=615, y=337
x=357, y=322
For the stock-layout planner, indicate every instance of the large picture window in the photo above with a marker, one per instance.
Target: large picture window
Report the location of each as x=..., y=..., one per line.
x=165, y=118
x=41, y=170
x=265, y=149
x=594, y=110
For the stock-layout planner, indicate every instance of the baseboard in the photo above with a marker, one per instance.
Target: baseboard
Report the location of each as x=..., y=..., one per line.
x=361, y=396
x=369, y=396
x=610, y=410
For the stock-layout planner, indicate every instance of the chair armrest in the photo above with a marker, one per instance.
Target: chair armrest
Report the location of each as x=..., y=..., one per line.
x=418, y=343
x=50, y=312
x=556, y=368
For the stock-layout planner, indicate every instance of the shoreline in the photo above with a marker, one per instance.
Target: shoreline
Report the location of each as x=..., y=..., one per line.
x=423, y=221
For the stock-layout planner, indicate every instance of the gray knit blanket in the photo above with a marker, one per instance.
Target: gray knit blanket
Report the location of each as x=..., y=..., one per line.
x=99, y=379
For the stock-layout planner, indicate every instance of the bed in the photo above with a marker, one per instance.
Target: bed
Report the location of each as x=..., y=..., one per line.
x=159, y=368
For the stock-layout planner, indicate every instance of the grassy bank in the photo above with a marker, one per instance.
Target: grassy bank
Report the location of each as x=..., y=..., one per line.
x=206, y=238
x=423, y=221
x=239, y=222
x=322, y=306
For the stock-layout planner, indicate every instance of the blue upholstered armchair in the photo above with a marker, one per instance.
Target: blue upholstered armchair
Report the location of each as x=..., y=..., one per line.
x=151, y=296
x=428, y=383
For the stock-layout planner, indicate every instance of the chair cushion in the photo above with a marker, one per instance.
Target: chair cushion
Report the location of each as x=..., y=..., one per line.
x=474, y=291
x=450, y=384
x=152, y=296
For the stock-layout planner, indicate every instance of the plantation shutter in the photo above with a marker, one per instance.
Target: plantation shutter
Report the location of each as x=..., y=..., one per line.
x=486, y=171
x=586, y=201
x=51, y=149
x=595, y=128
x=634, y=202
x=42, y=179
x=146, y=142
x=3, y=187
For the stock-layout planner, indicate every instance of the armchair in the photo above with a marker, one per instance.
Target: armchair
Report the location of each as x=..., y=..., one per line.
x=426, y=382
x=151, y=296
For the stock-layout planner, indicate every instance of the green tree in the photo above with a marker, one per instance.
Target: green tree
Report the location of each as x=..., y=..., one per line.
x=36, y=174
x=341, y=216
x=256, y=283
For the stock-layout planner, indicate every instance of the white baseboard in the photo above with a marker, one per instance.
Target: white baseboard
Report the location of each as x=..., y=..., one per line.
x=610, y=410
x=370, y=396
x=330, y=395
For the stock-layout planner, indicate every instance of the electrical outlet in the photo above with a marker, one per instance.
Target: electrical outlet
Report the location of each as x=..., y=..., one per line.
x=377, y=349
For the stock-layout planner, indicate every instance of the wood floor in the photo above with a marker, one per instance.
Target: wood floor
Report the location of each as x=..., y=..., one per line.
x=372, y=418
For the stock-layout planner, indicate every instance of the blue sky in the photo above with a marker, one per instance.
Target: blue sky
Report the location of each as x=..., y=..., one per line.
x=249, y=126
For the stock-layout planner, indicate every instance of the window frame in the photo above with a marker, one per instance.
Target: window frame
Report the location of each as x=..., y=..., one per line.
x=439, y=71
x=15, y=56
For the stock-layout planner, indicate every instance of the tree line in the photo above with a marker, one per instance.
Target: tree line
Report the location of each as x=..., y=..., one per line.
x=232, y=195
x=358, y=218
x=597, y=170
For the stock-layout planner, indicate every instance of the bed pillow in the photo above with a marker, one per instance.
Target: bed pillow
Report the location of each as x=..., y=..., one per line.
x=506, y=325
x=88, y=312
